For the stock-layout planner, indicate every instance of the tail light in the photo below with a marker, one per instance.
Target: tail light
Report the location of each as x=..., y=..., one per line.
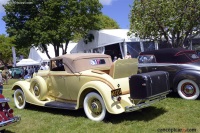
x=119, y=99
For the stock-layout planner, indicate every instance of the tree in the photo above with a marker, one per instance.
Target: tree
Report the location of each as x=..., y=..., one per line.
x=22, y=51
x=174, y=21
x=105, y=23
x=42, y=22
x=108, y=23
x=6, y=44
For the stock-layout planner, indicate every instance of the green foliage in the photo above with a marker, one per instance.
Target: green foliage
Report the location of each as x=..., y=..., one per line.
x=108, y=23
x=88, y=38
x=6, y=44
x=174, y=21
x=50, y=22
x=22, y=51
x=105, y=23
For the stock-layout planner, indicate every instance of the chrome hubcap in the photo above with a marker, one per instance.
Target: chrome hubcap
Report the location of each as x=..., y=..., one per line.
x=96, y=107
x=188, y=89
x=36, y=90
x=20, y=99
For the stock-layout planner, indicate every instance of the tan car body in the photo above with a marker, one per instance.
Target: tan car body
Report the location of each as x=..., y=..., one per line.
x=80, y=78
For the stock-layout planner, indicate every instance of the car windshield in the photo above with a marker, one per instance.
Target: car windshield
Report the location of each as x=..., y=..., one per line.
x=146, y=59
x=57, y=65
x=180, y=58
x=187, y=57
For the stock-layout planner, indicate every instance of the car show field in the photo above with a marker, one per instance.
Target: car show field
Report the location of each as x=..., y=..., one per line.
x=82, y=86
x=99, y=66
x=172, y=113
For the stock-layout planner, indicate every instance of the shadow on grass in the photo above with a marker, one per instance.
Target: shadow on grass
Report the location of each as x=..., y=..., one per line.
x=145, y=114
x=7, y=131
x=173, y=95
x=75, y=113
x=65, y=112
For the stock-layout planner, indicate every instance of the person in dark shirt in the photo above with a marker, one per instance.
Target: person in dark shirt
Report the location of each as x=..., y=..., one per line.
x=1, y=83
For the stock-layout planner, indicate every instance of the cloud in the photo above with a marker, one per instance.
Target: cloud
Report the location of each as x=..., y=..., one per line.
x=106, y=2
x=2, y=2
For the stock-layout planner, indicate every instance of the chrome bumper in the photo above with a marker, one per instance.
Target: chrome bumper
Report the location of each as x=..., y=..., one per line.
x=143, y=105
x=4, y=124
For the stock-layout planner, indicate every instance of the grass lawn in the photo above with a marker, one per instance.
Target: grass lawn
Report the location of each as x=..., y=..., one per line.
x=172, y=113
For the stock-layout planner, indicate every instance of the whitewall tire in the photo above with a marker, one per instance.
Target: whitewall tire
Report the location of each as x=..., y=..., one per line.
x=188, y=89
x=94, y=107
x=19, y=99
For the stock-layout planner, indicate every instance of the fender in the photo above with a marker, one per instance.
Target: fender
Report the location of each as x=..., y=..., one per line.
x=112, y=106
x=30, y=98
x=186, y=74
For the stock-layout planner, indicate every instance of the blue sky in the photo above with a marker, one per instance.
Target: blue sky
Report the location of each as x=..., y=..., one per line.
x=118, y=10
x=115, y=9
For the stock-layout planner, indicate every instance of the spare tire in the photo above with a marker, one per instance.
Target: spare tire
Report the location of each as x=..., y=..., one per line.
x=38, y=87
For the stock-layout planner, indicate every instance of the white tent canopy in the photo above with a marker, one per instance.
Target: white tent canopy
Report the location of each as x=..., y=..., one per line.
x=38, y=56
x=27, y=62
x=103, y=38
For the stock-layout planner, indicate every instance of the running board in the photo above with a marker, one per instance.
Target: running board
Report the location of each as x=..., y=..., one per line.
x=61, y=105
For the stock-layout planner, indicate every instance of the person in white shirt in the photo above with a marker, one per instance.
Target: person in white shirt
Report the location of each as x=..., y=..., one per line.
x=128, y=56
x=46, y=67
x=42, y=67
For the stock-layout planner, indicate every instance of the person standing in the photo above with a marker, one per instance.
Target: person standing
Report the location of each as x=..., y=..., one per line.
x=128, y=56
x=43, y=66
x=1, y=83
x=46, y=66
x=5, y=73
x=31, y=71
x=22, y=73
x=115, y=58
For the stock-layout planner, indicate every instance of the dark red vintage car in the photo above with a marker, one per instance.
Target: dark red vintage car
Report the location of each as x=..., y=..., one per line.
x=6, y=114
x=183, y=66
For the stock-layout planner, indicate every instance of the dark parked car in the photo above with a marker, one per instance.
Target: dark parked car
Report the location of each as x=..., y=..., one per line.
x=183, y=67
x=7, y=118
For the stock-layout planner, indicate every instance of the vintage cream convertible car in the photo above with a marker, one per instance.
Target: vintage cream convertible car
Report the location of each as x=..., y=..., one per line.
x=93, y=82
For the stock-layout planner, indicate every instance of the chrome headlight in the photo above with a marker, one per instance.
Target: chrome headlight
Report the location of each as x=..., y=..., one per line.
x=3, y=104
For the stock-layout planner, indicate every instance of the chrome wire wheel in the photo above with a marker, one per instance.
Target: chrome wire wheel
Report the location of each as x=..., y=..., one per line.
x=188, y=89
x=19, y=99
x=94, y=107
x=36, y=90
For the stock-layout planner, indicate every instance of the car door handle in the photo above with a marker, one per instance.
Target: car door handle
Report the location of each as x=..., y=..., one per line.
x=154, y=68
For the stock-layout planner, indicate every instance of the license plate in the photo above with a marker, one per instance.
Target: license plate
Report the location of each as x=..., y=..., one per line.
x=116, y=92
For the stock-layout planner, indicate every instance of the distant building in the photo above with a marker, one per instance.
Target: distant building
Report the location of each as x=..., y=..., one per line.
x=39, y=56
x=114, y=42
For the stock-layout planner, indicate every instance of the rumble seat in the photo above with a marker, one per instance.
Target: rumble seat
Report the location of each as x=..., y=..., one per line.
x=124, y=68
